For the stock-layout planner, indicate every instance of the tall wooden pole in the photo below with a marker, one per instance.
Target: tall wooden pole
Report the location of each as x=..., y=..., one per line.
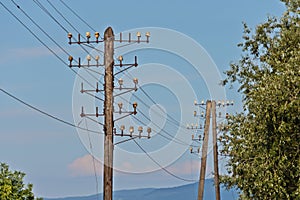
x=215, y=149
x=108, y=114
x=204, y=151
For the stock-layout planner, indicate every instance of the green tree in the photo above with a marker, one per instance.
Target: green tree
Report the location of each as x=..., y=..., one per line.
x=12, y=186
x=263, y=142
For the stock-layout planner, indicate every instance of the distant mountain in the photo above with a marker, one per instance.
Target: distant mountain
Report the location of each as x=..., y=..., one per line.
x=185, y=192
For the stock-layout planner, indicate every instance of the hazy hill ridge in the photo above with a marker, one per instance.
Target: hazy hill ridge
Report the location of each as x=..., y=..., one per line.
x=185, y=192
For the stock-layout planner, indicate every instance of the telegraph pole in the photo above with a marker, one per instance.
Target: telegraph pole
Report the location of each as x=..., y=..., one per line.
x=204, y=151
x=108, y=114
x=108, y=111
x=210, y=110
x=215, y=151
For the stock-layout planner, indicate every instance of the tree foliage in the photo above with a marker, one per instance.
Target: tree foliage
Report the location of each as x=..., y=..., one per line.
x=12, y=186
x=263, y=142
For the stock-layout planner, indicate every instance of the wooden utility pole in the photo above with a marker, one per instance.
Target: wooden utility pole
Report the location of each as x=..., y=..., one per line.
x=108, y=114
x=210, y=108
x=215, y=150
x=108, y=111
x=204, y=151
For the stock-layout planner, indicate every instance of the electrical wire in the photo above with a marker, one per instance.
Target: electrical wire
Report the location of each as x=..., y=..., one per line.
x=94, y=48
x=60, y=47
x=70, y=24
x=152, y=100
x=56, y=118
x=28, y=29
x=78, y=16
x=43, y=43
x=176, y=140
x=67, y=21
x=53, y=18
x=157, y=163
x=187, y=180
x=171, y=138
x=174, y=120
x=143, y=102
x=96, y=97
x=43, y=8
x=49, y=14
x=57, y=22
x=93, y=159
x=45, y=113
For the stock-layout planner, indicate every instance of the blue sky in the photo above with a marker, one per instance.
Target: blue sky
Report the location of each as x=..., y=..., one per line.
x=52, y=154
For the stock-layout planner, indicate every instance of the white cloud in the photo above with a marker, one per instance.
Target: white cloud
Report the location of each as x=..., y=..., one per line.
x=84, y=166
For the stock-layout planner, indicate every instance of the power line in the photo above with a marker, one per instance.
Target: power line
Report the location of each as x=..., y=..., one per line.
x=178, y=123
x=49, y=14
x=56, y=118
x=56, y=21
x=61, y=48
x=52, y=17
x=176, y=140
x=157, y=163
x=154, y=102
x=93, y=159
x=174, y=121
x=43, y=43
x=45, y=10
x=53, y=117
x=78, y=16
x=169, y=139
x=179, y=141
x=61, y=15
x=28, y=29
x=86, y=129
x=45, y=113
x=68, y=22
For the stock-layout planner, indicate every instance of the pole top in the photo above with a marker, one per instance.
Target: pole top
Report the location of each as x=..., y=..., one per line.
x=108, y=33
